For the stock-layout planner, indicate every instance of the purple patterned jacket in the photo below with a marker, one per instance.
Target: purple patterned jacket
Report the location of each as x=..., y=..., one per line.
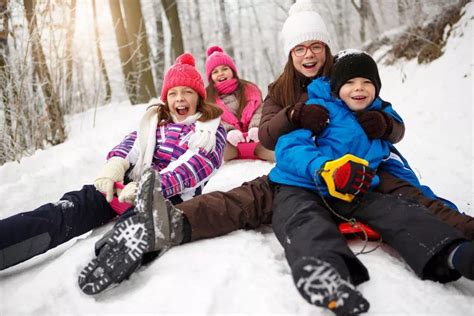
x=182, y=171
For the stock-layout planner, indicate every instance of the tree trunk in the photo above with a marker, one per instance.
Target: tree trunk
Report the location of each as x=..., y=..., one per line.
x=367, y=17
x=124, y=49
x=160, y=51
x=6, y=141
x=171, y=11
x=200, y=35
x=341, y=32
x=240, y=35
x=264, y=48
x=100, y=57
x=138, y=40
x=53, y=107
x=69, y=53
x=227, y=38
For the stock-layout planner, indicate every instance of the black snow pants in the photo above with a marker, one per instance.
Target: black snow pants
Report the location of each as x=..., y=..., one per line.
x=307, y=228
x=25, y=235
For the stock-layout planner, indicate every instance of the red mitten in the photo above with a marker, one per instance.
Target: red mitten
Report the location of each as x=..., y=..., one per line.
x=353, y=178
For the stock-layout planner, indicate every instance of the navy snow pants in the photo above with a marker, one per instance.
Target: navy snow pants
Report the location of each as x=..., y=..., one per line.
x=25, y=235
x=306, y=228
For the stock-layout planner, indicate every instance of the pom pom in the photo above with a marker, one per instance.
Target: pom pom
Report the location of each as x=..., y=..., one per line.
x=302, y=5
x=186, y=59
x=347, y=52
x=213, y=49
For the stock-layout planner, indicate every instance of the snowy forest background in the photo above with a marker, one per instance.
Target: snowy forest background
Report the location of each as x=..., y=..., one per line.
x=59, y=57
x=427, y=77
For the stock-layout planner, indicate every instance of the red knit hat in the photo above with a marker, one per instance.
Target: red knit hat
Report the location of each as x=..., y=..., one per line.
x=217, y=57
x=183, y=73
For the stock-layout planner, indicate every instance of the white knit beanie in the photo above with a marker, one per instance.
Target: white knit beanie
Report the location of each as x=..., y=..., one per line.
x=304, y=24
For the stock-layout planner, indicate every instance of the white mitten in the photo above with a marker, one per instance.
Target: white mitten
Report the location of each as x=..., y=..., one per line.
x=128, y=193
x=205, y=135
x=113, y=171
x=252, y=135
x=234, y=137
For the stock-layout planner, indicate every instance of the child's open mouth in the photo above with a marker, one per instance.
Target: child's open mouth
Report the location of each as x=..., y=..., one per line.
x=182, y=110
x=358, y=98
x=221, y=79
x=309, y=65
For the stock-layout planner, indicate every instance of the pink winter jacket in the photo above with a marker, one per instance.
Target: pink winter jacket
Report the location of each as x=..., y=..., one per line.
x=254, y=101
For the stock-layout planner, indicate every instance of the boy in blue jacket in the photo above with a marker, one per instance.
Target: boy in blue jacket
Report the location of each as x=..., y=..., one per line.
x=316, y=186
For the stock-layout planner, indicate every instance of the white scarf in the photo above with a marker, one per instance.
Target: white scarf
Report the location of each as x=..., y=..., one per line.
x=146, y=138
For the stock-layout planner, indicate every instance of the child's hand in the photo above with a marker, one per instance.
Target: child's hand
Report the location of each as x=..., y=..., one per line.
x=310, y=116
x=204, y=135
x=234, y=137
x=113, y=171
x=376, y=124
x=353, y=178
x=252, y=135
x=128, y=193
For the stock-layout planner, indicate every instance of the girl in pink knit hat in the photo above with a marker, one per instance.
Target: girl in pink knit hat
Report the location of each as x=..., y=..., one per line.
x=171, y=150
x=241, y=102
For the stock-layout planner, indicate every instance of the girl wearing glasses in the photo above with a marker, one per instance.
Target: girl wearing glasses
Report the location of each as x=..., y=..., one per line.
x=241, y=102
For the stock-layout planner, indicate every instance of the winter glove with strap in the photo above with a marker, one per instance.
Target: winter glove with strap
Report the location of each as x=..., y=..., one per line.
x=128, y=193
x=353, y=178
x=376, y=124
x=309, y=116
x=205, y=135
x=252, y=135
x=113, y=171
x=234, y=137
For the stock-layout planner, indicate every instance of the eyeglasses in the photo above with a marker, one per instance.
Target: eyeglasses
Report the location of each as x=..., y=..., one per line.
x=300, y=50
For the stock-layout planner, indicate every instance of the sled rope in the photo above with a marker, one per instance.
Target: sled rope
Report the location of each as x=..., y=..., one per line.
x=353, y=222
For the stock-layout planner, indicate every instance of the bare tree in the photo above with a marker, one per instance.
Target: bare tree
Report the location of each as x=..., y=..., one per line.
x=100, y=57
x=160, y=51
x=239, y=55
x=125, y=54
x=367, y=17
x=171, y=11
x=51, y=98
x=264, y=48
x=227, y=38
x=200, y=33
x=138, y=40
x=69, y=52
x=5, y=139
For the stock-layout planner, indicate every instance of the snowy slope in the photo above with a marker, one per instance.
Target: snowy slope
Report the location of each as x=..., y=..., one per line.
x=245, y=272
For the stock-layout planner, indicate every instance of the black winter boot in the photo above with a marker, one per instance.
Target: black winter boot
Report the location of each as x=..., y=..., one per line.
x=155, y=226
x=321, y=285
x=463, y=259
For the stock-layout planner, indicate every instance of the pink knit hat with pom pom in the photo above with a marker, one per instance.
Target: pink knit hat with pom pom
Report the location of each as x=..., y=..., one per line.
x=217, y=57
x=183, y=73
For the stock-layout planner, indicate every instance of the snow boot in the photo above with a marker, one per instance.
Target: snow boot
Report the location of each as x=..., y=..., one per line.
x=462, y=259
x=321, y=285
x=155, y=226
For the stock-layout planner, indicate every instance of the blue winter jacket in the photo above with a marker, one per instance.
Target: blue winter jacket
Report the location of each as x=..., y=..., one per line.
x=300, y=156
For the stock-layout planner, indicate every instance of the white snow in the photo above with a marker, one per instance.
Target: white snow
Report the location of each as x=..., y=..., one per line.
x=246, y=272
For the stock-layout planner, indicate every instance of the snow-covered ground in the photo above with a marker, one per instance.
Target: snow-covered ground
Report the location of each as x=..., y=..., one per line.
x=246, y=272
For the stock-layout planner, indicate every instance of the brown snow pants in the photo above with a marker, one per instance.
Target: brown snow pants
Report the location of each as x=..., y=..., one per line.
x=395, y=186
x=250, y=205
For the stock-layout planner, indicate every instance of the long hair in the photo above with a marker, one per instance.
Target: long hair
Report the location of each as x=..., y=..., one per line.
x=212, y=93
x=209, y=111
x=284, y=90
